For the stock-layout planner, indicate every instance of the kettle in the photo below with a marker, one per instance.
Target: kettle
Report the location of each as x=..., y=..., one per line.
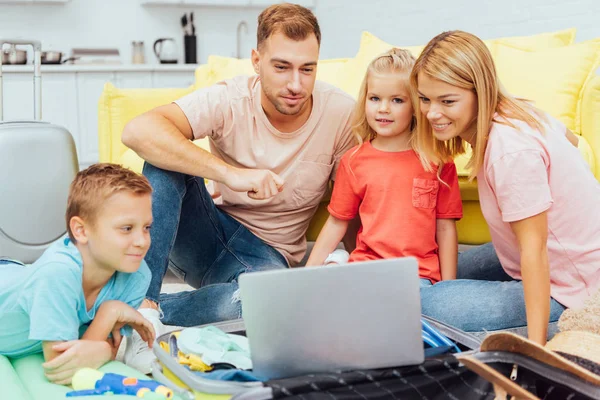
x=165, y=50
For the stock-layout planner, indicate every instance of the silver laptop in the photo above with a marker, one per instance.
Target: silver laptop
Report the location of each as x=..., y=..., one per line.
x=333, y=318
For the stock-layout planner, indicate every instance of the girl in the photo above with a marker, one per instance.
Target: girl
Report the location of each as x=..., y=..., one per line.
x=536, y=192
x=404, y=209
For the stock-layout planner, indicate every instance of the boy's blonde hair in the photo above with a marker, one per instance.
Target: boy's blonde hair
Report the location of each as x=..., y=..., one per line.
x=95, y=184
x=461, y=59
x=395, y=60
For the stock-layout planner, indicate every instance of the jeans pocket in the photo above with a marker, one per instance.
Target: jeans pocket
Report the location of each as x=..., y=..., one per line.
x=178, y=272
x=424, y=193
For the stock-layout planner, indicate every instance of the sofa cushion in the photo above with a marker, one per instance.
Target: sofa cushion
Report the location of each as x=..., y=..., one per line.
x=553, y=78
x=351, y=75
x=119, y=106
x=541, y=41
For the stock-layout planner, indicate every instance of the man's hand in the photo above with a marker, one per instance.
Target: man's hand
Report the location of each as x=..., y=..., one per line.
x=259, y=183
x=74, y=355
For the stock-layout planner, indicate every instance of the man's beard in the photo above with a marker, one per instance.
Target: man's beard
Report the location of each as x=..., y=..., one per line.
x=280, y=106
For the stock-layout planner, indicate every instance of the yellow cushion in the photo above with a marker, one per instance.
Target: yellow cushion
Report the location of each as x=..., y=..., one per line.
x=590, y=117
x=553, y=78
x=540, y=41
x=352, y=73
x=118, y=106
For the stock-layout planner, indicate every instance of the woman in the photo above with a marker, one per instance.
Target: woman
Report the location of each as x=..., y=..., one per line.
x=536, y=192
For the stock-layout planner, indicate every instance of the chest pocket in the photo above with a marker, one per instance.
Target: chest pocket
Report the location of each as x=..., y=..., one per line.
x=310, y=182
x=424, y=192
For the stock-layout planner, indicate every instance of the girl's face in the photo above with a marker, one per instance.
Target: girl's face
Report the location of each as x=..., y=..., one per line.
x=451, y=111
x=388, y=108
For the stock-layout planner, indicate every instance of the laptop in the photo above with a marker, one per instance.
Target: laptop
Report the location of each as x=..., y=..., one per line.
x=332, y=318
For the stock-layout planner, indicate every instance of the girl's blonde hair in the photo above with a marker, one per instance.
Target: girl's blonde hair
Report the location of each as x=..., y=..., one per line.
x=395, y=60
x=461, y=59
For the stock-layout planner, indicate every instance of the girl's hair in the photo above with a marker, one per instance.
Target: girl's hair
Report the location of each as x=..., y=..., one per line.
x=461, y=59
x=395, y=60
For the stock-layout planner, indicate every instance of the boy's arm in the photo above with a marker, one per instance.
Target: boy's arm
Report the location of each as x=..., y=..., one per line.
x=63, y=359
x=447, y=240
x=332, y=233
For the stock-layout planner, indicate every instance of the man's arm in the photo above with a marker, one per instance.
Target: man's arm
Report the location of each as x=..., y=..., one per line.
x=532, y=235
x=447, y=240
x=163, y=137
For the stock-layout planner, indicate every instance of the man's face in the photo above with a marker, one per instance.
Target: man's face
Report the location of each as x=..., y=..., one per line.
x=287, y=70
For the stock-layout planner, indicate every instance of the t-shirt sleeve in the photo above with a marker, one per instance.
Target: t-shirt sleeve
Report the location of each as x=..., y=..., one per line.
x=51, y=299
x=205, y=110
x=520, y=183
x=346, y=142
x=449, y=202
x=344, y=199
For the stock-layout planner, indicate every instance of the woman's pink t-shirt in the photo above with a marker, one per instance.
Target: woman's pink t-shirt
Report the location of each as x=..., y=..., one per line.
x=526, y=172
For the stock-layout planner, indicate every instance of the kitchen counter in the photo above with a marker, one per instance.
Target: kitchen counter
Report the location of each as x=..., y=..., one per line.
x=103, y=68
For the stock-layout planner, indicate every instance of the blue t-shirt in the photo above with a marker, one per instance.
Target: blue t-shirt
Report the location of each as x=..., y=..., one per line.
x=44, y=301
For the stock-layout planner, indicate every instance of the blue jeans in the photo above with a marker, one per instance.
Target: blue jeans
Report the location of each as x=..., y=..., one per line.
x=204, y=246
x=483, y=298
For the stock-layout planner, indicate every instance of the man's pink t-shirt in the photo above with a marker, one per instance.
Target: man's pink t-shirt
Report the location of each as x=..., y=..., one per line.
x=526, y=172
x=231, y=115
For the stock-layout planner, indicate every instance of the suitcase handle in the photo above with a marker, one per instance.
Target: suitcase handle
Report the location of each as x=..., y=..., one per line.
x=37, y=76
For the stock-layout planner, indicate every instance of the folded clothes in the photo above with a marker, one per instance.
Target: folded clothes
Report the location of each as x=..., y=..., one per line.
x=214, y=346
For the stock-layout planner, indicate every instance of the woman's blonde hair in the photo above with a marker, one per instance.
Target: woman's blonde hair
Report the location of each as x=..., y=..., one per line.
x=395, y=60
x=461, y=59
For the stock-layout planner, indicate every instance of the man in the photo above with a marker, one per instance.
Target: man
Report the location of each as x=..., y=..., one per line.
x=276, y=140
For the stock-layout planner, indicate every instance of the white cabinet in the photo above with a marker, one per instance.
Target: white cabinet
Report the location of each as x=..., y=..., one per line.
x=34, y=1
x=70, y=95
x=223, y=3
x=265, y=3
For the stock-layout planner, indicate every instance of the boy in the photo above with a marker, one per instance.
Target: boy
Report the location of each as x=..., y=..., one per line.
x=73, y=302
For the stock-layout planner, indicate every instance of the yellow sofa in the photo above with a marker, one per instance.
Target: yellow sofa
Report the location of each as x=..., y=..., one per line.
x=549, y=69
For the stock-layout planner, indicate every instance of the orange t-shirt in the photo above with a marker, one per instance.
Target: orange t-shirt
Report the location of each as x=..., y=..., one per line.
x=398, y=203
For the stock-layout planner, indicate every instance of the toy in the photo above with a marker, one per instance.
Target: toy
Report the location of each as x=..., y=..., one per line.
x=90, y=382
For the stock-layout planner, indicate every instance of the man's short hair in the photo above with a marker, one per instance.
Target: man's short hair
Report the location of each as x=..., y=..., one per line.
x=294, y=21
x=95, y=184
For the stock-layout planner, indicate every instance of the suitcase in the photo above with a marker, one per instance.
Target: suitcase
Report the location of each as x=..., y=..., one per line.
x=405, y=382
x=38, y=161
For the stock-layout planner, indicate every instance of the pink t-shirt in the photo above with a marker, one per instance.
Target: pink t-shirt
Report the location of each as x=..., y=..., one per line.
x=525, y=173
x=231, y=115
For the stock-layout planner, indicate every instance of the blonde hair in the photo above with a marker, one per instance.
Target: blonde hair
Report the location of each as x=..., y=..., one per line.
x=395, y=60
x=95, y=184
x=461, y=59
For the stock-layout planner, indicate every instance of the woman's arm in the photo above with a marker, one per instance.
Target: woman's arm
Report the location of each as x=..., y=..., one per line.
x=532, y=235
x=330, y=236
x=447, y=240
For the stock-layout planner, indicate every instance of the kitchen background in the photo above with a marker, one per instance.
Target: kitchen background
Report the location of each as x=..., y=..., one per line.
x=71, y=92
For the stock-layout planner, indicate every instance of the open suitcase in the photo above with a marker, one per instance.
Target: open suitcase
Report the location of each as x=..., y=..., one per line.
x=439, y=377
x=38, y=161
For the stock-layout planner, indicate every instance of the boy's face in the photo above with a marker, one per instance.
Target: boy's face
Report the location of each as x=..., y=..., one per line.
x=120, y=235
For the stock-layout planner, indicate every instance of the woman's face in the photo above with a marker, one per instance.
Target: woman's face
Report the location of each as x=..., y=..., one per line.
x=451, y=111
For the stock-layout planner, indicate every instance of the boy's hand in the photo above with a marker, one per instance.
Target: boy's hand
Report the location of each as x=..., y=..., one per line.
x=127, y=315
x=74, y=355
